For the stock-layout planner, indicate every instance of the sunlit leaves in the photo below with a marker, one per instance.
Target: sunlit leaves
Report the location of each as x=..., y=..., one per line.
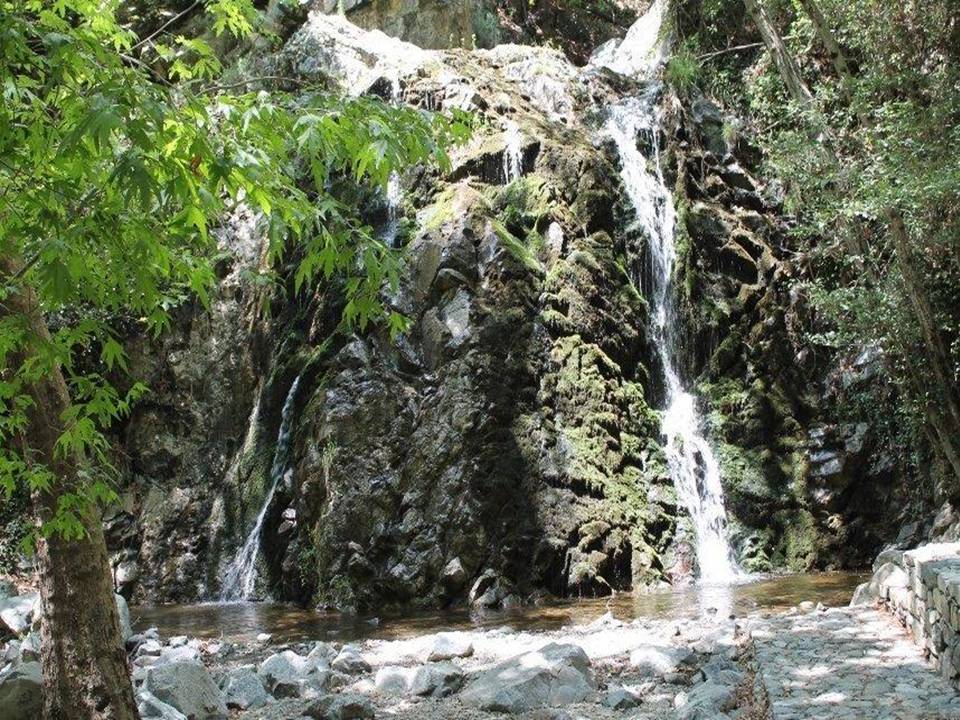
x=116, y=176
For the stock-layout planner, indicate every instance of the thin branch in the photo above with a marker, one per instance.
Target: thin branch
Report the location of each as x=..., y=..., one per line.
x=250, y=81
x=167, y=24
x=738, y=48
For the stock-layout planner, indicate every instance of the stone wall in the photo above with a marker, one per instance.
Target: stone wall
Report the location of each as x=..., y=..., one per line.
x=921, y=588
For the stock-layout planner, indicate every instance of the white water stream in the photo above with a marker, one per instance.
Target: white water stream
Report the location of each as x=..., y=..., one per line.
x=693, y=465
x=513, y=153
x=241, y=577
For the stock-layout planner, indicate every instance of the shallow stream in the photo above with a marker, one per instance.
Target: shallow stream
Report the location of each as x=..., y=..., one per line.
x=288, y=623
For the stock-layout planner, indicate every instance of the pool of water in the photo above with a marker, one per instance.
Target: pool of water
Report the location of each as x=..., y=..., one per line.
x=288, y=623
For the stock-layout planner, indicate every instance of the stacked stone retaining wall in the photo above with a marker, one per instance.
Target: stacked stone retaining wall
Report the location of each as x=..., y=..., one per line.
x=921, y=588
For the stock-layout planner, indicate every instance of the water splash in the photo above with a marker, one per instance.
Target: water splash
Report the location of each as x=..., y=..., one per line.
x=241, y=577
x=394, y=192
x=513, y=153
x=642, y=50
x=692, y=463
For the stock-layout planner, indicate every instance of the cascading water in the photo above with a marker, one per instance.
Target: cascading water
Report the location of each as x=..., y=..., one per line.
x=394, y=194
x=692, y=463
x=241, y=576
x=513, y=153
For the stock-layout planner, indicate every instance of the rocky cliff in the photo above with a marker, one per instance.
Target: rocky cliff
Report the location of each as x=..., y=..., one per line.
x=507, y=445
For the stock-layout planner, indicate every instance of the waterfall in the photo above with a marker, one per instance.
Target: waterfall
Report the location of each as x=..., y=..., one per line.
x=692, y=463
x=394, y=194
x=241, y=575
x=513, y=153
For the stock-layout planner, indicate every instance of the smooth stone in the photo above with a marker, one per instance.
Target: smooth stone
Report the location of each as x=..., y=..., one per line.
x=660, y=660
x=437, y=679
x=189, y=688
x=449, y=645
x=150, y=708
x=555, y=675
x=347, y=706
x=243, y=689
x=350, y=661
x=619, y=698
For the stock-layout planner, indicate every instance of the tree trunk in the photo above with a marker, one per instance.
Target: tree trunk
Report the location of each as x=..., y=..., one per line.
x=829, y=42
x=85, y=674
x=784, y=61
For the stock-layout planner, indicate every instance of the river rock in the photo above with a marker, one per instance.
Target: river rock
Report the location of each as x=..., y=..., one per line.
x=181, y=653
x=243, y=689
x=707, y=701
x=659, y=660
x=189, y=688
x=619, y=698
x=124, y=610
x=21, y=695
x=437, y=679
x=888, y=576
x=448, y=645
x=554, y=675
x=150, y=708
x=394, y=679
x=284, y=672
x=346, y=706
x=350, y=661
x=16, y=612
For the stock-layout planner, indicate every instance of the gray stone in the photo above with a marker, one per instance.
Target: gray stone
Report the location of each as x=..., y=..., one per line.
x=346, y=706
x=659, y=660
x=437, y=679
x=394, y=680
x=16, y=613
x=150, y=708
x=243, y=689
x=620, y=698
x=182, y=653
x=283, y=672
x=350, y=661
x=555, y=675
x=189, y=688
x=124, y=611
x=450, y=645
x=21, y=695
x=707, y=701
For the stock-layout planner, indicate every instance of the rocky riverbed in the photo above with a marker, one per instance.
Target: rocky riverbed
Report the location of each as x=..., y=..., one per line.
x=809, y=661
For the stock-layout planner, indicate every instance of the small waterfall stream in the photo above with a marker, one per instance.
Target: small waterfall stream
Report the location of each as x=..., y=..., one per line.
x=513, y=153
x=692, y=463
x=241, y=577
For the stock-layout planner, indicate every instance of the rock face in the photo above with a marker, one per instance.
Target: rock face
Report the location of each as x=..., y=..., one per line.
x=553, y=676
x=507, y=443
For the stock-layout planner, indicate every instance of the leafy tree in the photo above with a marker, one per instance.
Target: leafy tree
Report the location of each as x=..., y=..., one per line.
x=118, y=157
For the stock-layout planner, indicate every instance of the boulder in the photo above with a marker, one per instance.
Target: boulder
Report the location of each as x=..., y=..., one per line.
x=887, y=577
x=437, y=679
x=555, y=675
x=150, y=708
x=619, y=698
x=189, y=688
x=394, y=680
x=448, y=645
x=346, y=706
x=243, y=689
x=181, y=653
x=707, y=701
x=21, y=695
x=16, y=612
x=350, y=661
x=124, y=610
x=660, y=660
x=284, y=672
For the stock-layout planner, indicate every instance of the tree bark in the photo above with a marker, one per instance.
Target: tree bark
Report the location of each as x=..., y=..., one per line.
x=85, y=674
x=789, y=70
x=829, y=41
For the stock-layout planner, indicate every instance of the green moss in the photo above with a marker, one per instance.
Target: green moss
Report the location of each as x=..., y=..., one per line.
x=520, y=250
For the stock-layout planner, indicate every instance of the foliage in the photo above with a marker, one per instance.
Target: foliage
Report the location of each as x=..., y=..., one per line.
x=114, y=175
x=885, y=138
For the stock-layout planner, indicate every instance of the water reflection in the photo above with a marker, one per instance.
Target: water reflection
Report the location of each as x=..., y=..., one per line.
x=286, y=623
